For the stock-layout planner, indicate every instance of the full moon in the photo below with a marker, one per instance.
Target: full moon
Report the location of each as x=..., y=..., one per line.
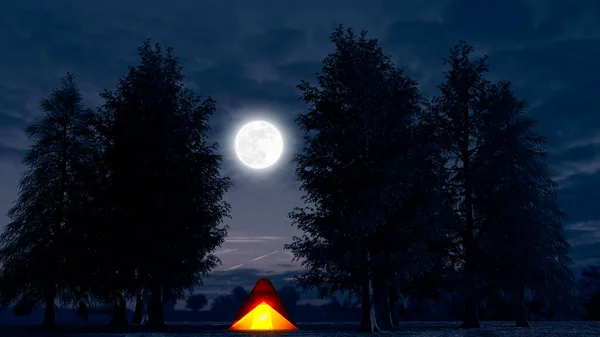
x=258, y=144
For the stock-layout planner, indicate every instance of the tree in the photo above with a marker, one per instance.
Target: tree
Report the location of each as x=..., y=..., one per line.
x=165, y=192
x=356, y=132
x=40, y=247
x=417, y=234
x=459, y=111
x=138, y=313
x=196, y=302
x=516, y=200
x=289, y=296
x=589, y=287
x=223, y=305
x=116, y=265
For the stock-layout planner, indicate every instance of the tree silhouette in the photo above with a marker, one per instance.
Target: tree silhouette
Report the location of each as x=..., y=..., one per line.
x=138, y=312
x=39, y=246
x=165, y=190
x=459, y=110
x=589, y=286
x=517, y=203
x=226, y=306
x=196, y=302
x=357, y=131
x=289, y=297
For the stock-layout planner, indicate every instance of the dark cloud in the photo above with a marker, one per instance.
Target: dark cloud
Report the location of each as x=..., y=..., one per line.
x=582, y=153
x=491, y=22
x=300, y=70
x=580, y=194
x=549, y=30
x=251, y=55
x=275, y=44
x=579, y=16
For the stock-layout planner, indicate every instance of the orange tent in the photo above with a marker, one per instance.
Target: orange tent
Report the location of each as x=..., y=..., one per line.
x=262, y=310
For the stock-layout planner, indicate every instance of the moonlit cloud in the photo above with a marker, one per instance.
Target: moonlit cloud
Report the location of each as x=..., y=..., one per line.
x=584, y=233
x=263, y=256
x=566, y=170
x=242, y=239
x=234, y=267
x=225, y=251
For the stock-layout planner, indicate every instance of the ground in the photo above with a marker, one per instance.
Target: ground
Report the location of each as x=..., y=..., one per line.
x=415, y=329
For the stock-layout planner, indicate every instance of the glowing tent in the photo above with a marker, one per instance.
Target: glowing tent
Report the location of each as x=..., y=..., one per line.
x=262, y=310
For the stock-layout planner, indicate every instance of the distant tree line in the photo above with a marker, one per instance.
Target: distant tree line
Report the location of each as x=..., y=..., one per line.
x=404, y=196
x=222, y=309
x=425, y=304
x=332, y=311
x=412, y=307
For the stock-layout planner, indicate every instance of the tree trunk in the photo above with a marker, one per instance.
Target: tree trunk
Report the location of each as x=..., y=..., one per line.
x=382, y=306
x=155, y=311
x=393, y=303
x=471, y=315
x=119, y=315
x=82, y=311
x=368, y=321
x=365, y=314
x=521, y=309
x=139, y=310
x=49, y=321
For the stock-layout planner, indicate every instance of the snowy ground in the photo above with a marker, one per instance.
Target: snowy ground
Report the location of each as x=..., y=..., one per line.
x=420, y=329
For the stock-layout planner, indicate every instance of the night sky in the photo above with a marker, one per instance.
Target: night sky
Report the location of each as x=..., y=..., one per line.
x=250, y=55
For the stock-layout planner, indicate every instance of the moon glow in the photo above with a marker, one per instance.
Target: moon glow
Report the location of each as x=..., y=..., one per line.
x=258, y=144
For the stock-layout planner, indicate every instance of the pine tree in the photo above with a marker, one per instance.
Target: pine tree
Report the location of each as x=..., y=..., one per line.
x=356, y=130
x=165, y=190
x=459, y=110
x=589, y=288
x=415, y=236
x=40, y=246
x=426, y=237
x=516, y=198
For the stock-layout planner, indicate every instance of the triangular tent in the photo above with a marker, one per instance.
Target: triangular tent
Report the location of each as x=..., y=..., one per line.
x=262, y=310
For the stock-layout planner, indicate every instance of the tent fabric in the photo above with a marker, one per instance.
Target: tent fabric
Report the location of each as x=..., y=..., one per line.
x=263, y=317
x=264, y=292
